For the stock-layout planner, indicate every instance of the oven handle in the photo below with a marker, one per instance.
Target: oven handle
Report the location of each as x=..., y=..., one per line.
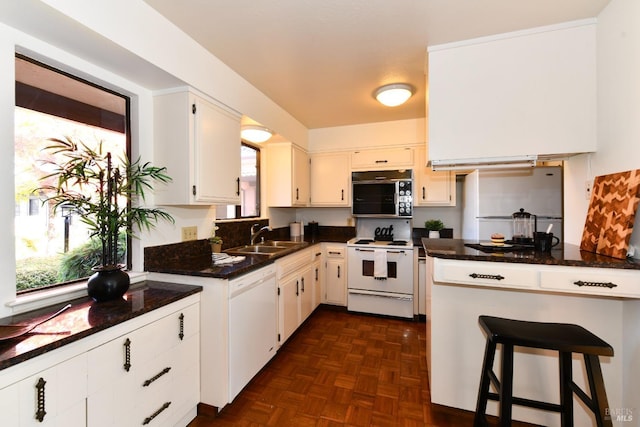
x=400, y=297
x=388, y=251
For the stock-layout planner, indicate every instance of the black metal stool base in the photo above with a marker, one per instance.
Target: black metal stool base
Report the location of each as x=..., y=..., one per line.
x=561, y=337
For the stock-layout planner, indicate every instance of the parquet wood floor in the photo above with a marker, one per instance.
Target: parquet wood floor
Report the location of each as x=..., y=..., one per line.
x=343, y=369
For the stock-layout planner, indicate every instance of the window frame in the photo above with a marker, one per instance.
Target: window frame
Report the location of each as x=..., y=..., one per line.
x=50, y=103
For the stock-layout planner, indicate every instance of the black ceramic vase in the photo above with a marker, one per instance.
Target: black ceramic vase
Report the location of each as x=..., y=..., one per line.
x=108, y=283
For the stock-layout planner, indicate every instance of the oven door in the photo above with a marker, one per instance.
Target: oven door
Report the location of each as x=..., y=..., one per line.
x=375, y=199
x=399, y=277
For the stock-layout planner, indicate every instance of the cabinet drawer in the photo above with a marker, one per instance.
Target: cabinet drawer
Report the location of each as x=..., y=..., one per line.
x=382, y=159
x=154, y=390
x=496, y=274
x=592, y=281
x=293, y=262
x=335, y=251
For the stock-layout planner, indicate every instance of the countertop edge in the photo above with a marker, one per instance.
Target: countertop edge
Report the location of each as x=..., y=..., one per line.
x=251, y=263
x=568, y=256
x=184, y=291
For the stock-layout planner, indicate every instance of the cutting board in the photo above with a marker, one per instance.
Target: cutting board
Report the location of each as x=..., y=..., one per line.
x=612, y=211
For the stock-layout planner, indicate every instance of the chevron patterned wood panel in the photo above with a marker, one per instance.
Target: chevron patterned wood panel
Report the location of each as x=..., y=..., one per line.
x=612, y=210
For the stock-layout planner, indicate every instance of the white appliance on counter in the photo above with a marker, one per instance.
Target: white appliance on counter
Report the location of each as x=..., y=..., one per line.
x=492, y=196
x=380, y=268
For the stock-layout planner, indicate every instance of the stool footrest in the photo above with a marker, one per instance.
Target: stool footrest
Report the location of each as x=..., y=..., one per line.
x=537, y=404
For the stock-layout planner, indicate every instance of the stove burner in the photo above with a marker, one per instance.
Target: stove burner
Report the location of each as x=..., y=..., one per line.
x=363, y=241
x=399, y=243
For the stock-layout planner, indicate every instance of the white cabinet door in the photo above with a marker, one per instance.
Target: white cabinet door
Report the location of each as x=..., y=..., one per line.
x=432, y=188
x=318, y=277
x=330, y=179
x=55, y=396
x=387, y=158
x=336, y=275
x=288, y=315
x=287, y=175
x=111, y=384
x=217, y=154
x=198, y=141
x=514, y=94
x=300, y=177
x=306, y=294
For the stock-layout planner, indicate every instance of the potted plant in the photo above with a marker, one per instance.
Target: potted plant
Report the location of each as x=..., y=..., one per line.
x=433, y=226
x=108, y=199
x=215, y=241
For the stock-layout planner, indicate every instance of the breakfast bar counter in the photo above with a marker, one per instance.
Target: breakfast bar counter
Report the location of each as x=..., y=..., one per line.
x=567, y=285
x=563, y=254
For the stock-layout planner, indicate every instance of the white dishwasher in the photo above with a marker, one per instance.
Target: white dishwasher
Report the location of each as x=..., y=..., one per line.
x=253, y=326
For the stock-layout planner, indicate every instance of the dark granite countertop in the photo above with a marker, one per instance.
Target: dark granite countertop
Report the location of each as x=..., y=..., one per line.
x=194, y=258
x=564, y=254
x=84, y=318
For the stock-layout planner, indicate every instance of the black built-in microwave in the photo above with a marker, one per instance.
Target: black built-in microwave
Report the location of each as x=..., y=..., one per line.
x=382, y=193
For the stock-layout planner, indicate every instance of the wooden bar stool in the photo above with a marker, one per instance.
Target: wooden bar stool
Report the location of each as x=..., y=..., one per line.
x=562, y=337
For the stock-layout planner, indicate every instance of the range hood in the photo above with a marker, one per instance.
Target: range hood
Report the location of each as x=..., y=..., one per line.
x=528, y=161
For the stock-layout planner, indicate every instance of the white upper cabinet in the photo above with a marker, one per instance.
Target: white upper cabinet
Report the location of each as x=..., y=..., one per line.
x=531, y=92
x=330, y=179
x=385, y=158
x=432, y=188
x=198, y=141
x=287, y=175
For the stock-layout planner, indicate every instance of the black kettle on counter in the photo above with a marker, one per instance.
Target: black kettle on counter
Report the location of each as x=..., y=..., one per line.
x=525, y=226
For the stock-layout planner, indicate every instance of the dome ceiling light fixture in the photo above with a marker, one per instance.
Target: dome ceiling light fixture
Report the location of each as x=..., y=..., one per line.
x=394, y=94
x=255, y=133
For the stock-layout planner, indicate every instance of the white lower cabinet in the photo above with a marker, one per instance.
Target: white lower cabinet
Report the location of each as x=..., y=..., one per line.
x=318, y=276
x=336, y=274
x=55, y=396
x=295, y=291
x=141, y=372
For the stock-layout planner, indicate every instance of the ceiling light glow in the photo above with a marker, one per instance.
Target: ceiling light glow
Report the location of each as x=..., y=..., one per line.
x=255, y=134
x=394, y=94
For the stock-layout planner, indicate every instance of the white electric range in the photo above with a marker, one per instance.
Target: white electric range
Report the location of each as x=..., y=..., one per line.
x=380, y=267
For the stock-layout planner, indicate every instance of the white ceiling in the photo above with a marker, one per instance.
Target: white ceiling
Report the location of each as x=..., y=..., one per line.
x=321, y=60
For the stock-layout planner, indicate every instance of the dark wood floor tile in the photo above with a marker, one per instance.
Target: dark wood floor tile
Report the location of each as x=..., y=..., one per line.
x=340, y=370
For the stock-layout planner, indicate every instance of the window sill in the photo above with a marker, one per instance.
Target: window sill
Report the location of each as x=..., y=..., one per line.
x=47, y=297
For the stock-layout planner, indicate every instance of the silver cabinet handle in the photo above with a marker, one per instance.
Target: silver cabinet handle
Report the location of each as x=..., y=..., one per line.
x=181, y=332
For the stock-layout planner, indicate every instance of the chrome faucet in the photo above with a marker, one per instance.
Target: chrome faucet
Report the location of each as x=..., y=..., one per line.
x=255, y=234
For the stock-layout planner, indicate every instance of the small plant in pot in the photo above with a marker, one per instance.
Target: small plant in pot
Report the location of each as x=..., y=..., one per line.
x=215, y=241
x=108, y=198
x=433, y=227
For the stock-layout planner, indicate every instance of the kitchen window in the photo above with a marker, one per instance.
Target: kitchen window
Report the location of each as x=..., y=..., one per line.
x=55, y=248
x=249, y=206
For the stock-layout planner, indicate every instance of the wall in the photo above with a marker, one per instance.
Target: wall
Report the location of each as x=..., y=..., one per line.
x=375, y=135
x=368, y=135
x=618, y=61
x=105, y=43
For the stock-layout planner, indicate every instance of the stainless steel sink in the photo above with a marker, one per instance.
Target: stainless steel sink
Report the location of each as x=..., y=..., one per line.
x=282, y=243
x=268, y=248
